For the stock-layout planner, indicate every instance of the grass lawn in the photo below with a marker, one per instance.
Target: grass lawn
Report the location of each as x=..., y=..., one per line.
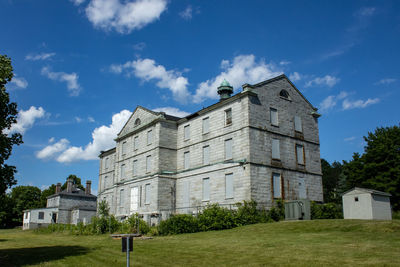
x=302, y=243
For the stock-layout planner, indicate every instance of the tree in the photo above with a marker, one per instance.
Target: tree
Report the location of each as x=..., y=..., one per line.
x=24, y=197
x=75, y=180
x=331, y=175
x=379, y=167
x=8, y=116
x=46, y=193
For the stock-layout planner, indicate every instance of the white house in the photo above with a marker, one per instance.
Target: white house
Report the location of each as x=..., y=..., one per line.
x=367, y=204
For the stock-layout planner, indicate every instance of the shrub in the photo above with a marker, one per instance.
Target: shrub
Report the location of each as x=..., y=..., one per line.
x=138, y=225
x=214, y=217
x=277, y=212
x=178, y=224
x=396, y=215
x=326, y=211
x=247, y=213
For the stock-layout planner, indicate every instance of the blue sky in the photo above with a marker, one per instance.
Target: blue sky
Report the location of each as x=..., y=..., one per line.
x=82, y=66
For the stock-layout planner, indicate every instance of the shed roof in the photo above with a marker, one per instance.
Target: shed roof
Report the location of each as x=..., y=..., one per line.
x=366, y=190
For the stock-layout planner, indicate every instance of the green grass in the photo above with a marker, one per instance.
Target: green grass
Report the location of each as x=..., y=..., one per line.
x=303, y=243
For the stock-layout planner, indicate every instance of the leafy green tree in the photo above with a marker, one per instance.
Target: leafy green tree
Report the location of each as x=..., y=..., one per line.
x=24, y=197
x=103, y=209
x=75, y=180
x=379, y=167
x=6, y=212
x=8, y=116
x=46, y=193
x=331, y=180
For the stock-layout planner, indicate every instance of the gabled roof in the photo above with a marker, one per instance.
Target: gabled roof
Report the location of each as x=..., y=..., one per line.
x=76, y=192
x=369, y=191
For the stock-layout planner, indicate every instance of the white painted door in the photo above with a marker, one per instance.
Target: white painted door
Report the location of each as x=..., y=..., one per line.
x=134, y=199
x=302, y=189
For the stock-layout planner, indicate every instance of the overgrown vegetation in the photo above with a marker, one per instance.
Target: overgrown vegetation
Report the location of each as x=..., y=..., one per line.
x=326, y=211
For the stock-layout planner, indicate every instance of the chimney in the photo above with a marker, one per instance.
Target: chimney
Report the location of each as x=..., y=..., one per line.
x=69, y=185
x=225, y=90
x=88, y=184
x=58, y=188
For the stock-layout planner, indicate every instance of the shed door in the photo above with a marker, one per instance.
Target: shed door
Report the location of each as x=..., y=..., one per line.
x=134, y=199
x=302, y=189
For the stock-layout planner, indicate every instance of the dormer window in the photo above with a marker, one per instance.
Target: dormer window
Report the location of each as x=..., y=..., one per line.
x=284, y=94
x=137, y=122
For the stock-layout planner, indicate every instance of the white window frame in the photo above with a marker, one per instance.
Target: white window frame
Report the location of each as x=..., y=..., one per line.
x=186, y=132
x=274, y=116
x=206, y=125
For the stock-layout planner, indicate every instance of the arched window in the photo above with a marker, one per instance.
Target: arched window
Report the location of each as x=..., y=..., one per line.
x=284, y=94
x=137, y=122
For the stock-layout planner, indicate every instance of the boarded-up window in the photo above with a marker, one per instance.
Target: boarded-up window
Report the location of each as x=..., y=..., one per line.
x=107, y=163
x=276, y=154
x=206, y=125
x=41, y=215
x=186, y=160
x=136, y=142
x=206, y=155
x=121, y=198
x=229, y=185
x=186, y=195
x=123, y=148
x=122, y=171
x=228, y=116
x=206, y=189
x=274, y=116
x=186, y=131
x=297, y=124
x=135, y=167
x=105, y=182
x=300, y=154
x=148, y=164
x=134, y=199
x=147, y=192
x=149, y=137
x=276, y=179
x=228, y=149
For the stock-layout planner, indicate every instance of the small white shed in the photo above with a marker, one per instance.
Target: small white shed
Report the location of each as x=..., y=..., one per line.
x=367, y=204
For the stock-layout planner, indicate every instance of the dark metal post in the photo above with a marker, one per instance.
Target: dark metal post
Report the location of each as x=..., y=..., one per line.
x=127, y=251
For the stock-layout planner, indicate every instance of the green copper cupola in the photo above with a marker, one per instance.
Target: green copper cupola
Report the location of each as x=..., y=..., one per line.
x=225, y=90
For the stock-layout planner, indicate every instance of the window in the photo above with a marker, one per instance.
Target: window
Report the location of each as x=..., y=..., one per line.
x=356, y=199
x=206, y=155
x=284, y=94
x=206, y=125
x=122, y=171
x=105, y=182
x=229, y=185
x=276, y=154
x=107, y=163
x=134, y=198
x=276, y=180
x=186, y=131
x=148, y=163
x=297, y=124
x=123, y=148
x=41, y=215
x=26, y=215
x=274, y=116
x=186, y=160
x=136, y=143
x=228, y=149
x=149, y=137
x=206, y=189
x=147, y=192
x=135, y=167
x=300, y=154
x=137, y=122
x=228, y=116
x=121, y=197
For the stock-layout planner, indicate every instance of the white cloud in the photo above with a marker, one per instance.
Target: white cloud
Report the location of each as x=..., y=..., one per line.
x=70, y=78
x=77, y=2
x=139, y=46
x=172, y=111
x=19, y=82
x=51, y=140
x=349, y=139
x=77, y=119
x=243, y=69
x=295, y=76
x=147, y=70
x=126, y=16
x=366, y=11
x=284, y=63
x=386, y=81
x=41, y=56
x=328, y=80
x=26, y=119
x=331, y=101
x=91, y=119
x=102, y=139
x=347, y=104
x=187, y=13
x=52, y=150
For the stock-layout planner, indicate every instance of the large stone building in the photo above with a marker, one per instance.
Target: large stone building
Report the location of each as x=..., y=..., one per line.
x=259, y=144
x=69, y=206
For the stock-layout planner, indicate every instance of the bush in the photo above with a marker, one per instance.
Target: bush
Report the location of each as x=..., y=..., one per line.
x=247, y=213
x=276, y=213
x=326, y=211
x=178, y=224
x=396, y=215
x=214, y=217
x=137, y=225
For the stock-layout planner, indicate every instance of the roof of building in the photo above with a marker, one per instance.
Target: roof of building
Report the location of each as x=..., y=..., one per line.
x=76, y=192
x=366, y=190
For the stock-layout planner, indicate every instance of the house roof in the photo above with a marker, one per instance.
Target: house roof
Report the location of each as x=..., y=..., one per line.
x=366, y=190
x=76, y=192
